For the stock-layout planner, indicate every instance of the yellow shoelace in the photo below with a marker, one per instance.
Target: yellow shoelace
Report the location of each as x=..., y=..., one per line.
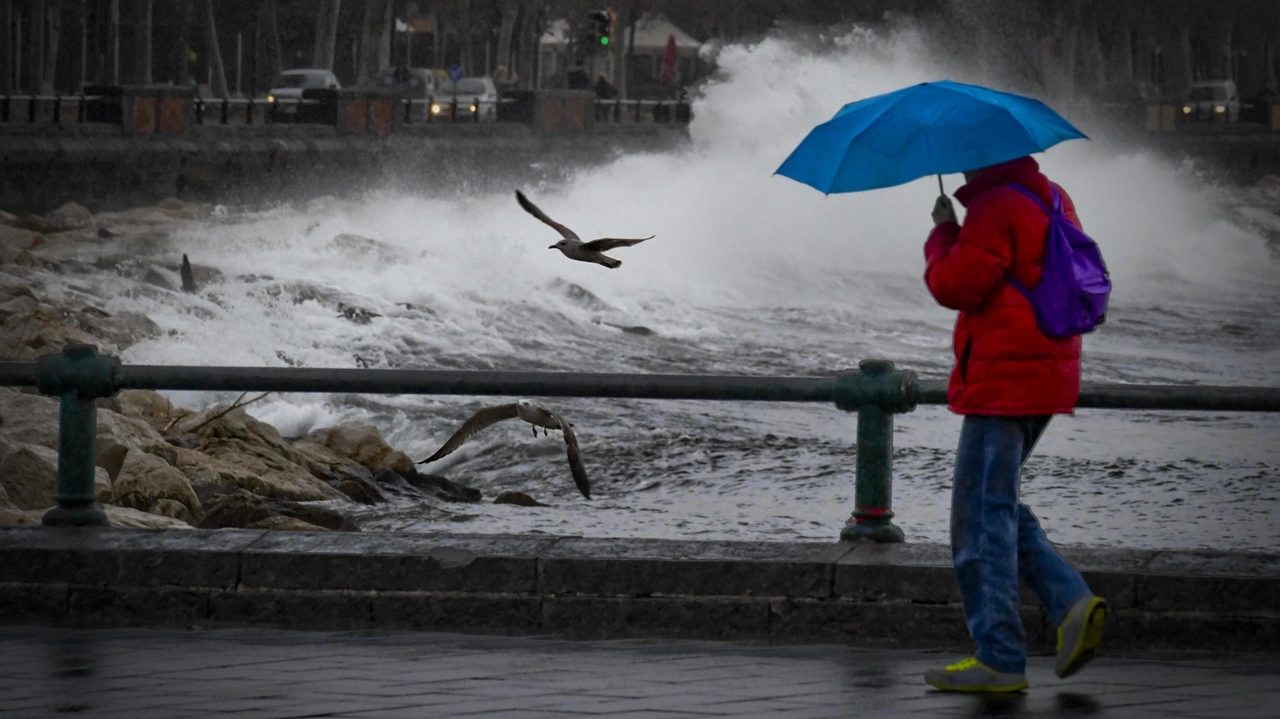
x=962, y=665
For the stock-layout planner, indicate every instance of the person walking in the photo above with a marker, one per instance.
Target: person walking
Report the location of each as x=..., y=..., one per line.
x=1008, y=381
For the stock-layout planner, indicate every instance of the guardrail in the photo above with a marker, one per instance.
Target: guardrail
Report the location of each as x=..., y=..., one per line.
x=78, y=376
x=35, y=109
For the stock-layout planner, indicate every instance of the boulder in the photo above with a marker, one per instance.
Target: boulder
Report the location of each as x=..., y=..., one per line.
x=19, y=239
x=362, y=491
x=143, y=403
x=20, y=306
x=432, y=485
x=29, y=475
x=7, y=218
x=363, y=444
x=171, y=203
x=11, y=517
x=70, y=216
x=326, y=464
x=264, y=473
x=130, y=518
x=286, y=523
x=145, y=482
x=245, y=510
x=520, y=499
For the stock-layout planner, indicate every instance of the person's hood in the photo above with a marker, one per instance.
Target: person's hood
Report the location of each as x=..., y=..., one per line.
x=1023, y=171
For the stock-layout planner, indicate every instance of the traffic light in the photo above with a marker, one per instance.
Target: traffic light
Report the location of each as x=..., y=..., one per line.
x=602, y=24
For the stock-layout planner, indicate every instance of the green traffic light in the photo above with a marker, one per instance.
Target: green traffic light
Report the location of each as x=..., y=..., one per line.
x=604, y=41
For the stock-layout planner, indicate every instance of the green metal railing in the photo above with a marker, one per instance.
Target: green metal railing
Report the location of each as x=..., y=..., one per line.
x=876, y=391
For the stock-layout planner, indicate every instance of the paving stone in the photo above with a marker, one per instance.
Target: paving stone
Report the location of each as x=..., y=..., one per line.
x=393, y=562
x=650, y=567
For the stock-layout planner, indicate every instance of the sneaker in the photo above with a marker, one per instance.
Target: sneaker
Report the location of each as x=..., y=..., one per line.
x=1080, y=635
x=971, y=675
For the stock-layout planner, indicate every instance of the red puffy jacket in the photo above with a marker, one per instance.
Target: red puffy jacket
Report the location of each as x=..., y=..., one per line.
x=1004, y=364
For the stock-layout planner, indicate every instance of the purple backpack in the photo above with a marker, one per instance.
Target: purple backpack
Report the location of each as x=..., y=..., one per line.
x=1071, y=298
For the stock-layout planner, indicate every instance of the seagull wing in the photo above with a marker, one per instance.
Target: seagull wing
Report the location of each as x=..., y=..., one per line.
x=608, y=243
x=575, y=458
x=478, y=421
x=532, y=209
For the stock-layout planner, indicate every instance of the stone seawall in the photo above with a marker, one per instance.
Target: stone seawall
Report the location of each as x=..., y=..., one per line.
x=98, y=168
x=863, y=594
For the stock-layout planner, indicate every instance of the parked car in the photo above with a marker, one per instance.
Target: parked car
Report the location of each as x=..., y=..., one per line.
x=415, y=83
x=1212, y=101
x=291, y=83
x=476, y=97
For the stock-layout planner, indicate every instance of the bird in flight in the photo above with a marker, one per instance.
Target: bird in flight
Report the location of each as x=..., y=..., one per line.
x=572, y=246
x=537, y=416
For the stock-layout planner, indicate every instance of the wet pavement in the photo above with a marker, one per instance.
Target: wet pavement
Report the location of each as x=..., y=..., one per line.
x=282, y=675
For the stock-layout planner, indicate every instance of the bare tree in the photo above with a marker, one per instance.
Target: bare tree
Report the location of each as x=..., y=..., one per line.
x=185, y=10
x=384, y=40
x=275, y=62
x=35, y=45
x=219, y=88
x=510, y=10
x=53, y=35
x=371, y=38
x=6, y=46
x=142, y=42
x=326, y=33
x=113, y=42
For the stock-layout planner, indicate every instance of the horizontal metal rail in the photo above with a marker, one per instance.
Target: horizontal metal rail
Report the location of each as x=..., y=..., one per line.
x=631, y=386
x=876, y=391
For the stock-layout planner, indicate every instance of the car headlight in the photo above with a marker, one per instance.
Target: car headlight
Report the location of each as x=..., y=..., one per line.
x=1219, y=109
x=1186, y=109
x=435, y=108
x=271, y=98
x=473, y=108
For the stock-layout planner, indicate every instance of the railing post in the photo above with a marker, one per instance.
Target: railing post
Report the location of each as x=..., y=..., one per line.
x=876, y=392
x=57, y=109
x=248, y=113
x=31, y=109
x=79, y=376
x=226, y=107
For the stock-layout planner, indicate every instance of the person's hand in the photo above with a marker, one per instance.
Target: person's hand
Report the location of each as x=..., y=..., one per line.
x=943, y=210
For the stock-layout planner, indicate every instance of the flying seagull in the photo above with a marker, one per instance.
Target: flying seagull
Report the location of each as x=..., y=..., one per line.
x=573, y=247
x=531, y=412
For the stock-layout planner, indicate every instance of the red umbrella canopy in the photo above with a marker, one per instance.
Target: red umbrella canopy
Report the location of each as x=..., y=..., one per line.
x=668, y=72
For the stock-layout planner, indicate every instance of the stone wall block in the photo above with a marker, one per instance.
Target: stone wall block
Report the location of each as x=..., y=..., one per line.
x=137, y=606
x=423, y=611
x=33, y=604
x=313, y=610
x=611, y=618
x=385, y=562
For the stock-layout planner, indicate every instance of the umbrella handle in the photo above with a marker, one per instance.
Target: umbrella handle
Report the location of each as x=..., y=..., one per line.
x=940, y=189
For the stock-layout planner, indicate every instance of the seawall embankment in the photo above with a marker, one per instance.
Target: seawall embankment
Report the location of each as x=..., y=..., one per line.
x=861, y=594
x=98, y=167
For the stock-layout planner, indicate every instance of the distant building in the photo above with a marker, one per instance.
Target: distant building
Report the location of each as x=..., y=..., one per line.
x=560, y=57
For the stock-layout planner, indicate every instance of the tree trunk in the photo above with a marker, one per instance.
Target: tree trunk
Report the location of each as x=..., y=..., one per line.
x=113, y=43
x=527, y=59
x=371, y=35
x=53, y=36
x=142, y=43
x=35, y=45
x=6, y=46
x=467, y=46
x=219, y=88
x=385, y=35
x=510, y=10
x=326, y=34
x=185, y=10
x=437, y=40
x=275, y=63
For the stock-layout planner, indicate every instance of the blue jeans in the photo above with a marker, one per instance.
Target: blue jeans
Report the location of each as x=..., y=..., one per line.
x=995, y=539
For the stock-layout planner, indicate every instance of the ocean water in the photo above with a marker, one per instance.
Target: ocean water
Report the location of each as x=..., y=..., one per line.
x=749, y=273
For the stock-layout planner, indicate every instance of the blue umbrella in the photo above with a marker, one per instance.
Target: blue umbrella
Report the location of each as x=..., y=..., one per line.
x=933, y=128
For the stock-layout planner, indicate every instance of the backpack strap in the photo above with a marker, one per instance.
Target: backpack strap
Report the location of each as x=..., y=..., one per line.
x=1057, y=199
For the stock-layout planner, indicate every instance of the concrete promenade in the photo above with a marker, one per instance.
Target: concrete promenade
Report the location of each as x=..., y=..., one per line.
x=174, y=674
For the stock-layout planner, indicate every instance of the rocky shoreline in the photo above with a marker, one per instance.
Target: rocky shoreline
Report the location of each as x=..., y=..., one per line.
x=161, y=466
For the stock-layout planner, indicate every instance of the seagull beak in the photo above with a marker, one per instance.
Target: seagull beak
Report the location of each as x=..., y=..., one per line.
x=551, y=247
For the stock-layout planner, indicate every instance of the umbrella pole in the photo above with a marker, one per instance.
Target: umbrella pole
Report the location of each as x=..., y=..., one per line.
x=944, y=192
